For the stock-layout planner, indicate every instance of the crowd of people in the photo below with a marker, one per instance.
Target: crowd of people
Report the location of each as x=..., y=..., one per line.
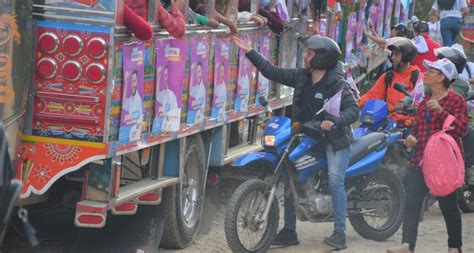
x=422, y=50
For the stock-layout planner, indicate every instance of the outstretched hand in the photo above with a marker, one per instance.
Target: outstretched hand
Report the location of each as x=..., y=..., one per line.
x=243, y=44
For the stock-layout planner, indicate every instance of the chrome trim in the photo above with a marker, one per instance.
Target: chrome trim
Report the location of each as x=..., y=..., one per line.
x=56, y=40
x=72, y=18
x=79, y=67
x=102, y=42
x=58, y=8
x=78, y=39
x=101, y=67
x=52, y=61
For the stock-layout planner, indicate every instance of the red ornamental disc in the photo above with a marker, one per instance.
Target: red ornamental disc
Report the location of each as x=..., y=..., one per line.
x=97, y=48
x=95, y=73
x=48, y=42
x=69, y=108
x=72, y=70
x=47, y=68
x=72, y=45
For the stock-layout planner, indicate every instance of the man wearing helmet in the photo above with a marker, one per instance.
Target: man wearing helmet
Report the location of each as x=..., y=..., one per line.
x=424, y=44
x=403, y=51
x=322, y=78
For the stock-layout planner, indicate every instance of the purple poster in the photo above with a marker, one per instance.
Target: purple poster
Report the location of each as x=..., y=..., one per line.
x=396, y=12
x=241, y=103
x=388, y=17
x=263, y=84
x=360, y=24
x=374, y=13
x=131, y=117
x=198, y=82
x=350, y=33
x=221, y=76
x=171, y=55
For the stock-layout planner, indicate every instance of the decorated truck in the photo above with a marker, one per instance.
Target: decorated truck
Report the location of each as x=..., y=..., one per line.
x=119, y=126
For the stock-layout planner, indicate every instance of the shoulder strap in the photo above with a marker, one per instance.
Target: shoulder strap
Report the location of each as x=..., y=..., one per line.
x=388, y=82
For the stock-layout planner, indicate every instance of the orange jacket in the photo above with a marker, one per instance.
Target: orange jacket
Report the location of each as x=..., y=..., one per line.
x=393, y=96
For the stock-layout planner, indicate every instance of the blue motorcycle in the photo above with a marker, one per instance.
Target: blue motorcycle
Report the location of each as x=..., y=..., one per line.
x=375, y=196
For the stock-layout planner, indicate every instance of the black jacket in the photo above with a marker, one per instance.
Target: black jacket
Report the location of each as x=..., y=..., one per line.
x=309, y=99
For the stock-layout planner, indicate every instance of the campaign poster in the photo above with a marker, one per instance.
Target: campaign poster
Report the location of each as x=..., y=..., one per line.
x=263, y=84
x=171, y=55
x=244, y=77
x=221, y=77
x=131, y=118
x=198, y=81
x=388, y=17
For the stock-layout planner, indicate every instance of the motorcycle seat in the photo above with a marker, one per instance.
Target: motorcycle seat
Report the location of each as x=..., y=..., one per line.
x=362, y=146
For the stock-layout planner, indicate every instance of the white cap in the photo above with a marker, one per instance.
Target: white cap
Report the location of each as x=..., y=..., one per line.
x=445, y=66
x=414, y=19
x=458, y=47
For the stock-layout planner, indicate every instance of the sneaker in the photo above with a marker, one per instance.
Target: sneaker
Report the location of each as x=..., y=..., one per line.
x=286, y=237
x=337, y=240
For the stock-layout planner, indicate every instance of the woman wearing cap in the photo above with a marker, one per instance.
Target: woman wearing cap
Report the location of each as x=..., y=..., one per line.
x=434, y=108
x=451, y=13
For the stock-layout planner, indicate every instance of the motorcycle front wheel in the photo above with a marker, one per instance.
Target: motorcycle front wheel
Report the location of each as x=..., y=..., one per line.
x=244, y=231
x=378, y=224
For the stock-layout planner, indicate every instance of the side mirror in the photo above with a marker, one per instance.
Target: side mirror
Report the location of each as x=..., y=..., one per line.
x=401, y=88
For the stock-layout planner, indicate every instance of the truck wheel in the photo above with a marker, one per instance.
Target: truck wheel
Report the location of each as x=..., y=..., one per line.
x=184, y=202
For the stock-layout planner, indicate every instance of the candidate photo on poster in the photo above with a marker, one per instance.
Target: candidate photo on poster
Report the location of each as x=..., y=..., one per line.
x=197, y=95
x=132, y=100
x=263, y=84
x=169, y=109
x=243, y=85
x=220, y=93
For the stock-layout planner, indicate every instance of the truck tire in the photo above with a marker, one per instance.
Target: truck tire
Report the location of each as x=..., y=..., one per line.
x=184, y=202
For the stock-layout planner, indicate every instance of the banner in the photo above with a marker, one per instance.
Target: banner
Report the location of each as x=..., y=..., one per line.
x=131, y=117
x=263, y=84
x=241, y=102
x=221, y=77
x=171, y=55
x=198, y=81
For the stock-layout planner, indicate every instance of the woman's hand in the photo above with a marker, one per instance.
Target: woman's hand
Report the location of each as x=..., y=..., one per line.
x=243, y=44
x=433, y=105
x=410, y=141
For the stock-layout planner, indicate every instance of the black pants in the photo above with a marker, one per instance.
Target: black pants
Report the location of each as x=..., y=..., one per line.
x=416, y=191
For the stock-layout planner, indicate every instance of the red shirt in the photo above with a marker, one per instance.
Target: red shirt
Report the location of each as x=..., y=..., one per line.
x=430, y=56
x=453, y=104
x=172, y=21
x=140, y=7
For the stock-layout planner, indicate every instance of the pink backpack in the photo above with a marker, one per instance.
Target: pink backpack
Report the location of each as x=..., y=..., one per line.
x=443, y=163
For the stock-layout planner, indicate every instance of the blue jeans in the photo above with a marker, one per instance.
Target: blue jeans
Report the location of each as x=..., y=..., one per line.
x=338, y=162
x=450, y=27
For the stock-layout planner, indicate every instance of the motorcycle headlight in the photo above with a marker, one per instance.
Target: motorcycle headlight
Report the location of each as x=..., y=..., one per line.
x=368, y=119
x=269, y=140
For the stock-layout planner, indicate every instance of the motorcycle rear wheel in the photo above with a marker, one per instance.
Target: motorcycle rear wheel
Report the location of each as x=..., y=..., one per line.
x=391, y=189
x=466, y=200
x=243, y=231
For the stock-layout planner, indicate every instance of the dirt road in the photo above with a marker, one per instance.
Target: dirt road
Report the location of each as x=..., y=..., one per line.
x=432, y=234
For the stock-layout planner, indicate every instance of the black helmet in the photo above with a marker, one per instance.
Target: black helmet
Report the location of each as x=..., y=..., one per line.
x=455, y=55
x=327, y=51
x=421, y=27
x=402, y=30
x=404, y=46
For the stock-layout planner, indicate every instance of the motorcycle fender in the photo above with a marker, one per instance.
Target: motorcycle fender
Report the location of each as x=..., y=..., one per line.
x=255, y=156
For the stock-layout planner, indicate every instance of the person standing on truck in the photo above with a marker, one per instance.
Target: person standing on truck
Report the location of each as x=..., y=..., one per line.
x=322, y=78
x=451, y=13
x=403, y=51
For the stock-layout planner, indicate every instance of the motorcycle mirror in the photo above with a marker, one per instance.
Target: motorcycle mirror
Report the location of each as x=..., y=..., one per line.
x=401, y=88
x=262, y=101
x=470, y=96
